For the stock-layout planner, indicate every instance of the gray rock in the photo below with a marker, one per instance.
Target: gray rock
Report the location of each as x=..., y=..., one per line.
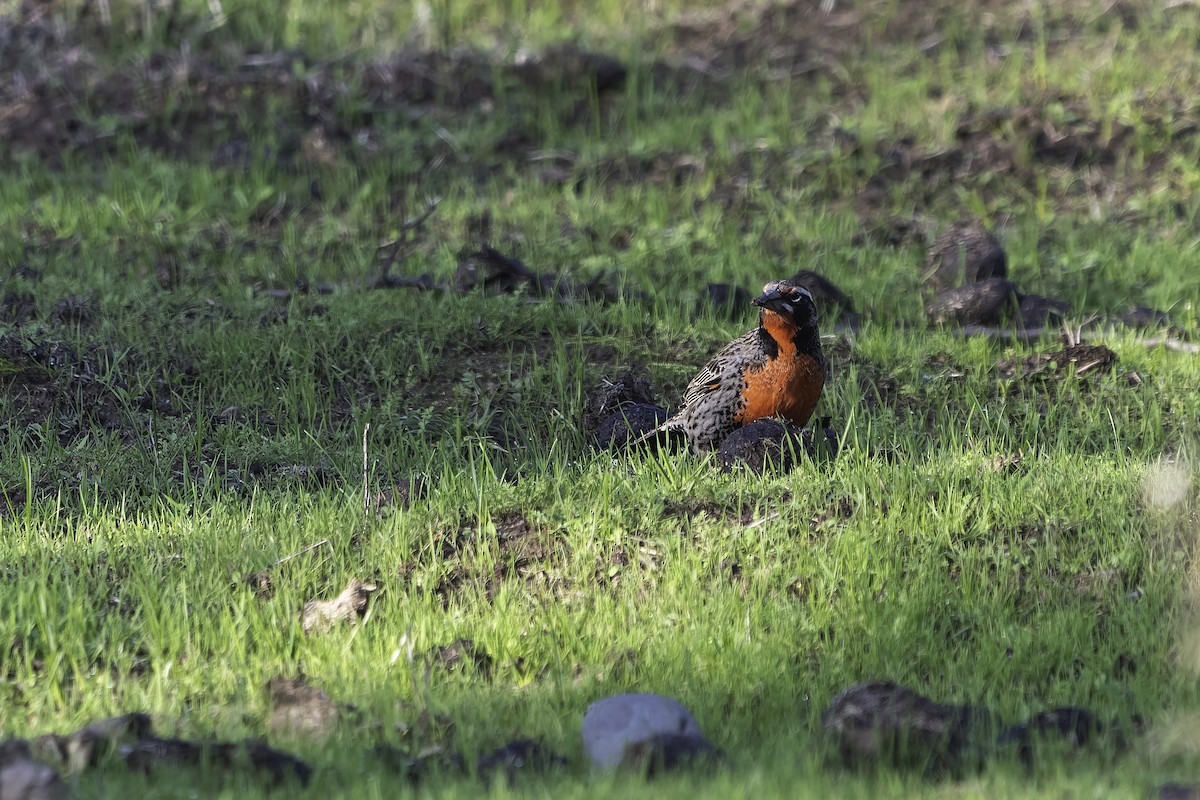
x=613, y=724
x=23, y=778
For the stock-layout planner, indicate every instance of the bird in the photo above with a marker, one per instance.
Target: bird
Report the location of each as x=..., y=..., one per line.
x=774, y=370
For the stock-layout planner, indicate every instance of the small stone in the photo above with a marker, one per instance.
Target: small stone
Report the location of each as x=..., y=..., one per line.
x=613, y=724
x=1179, y=791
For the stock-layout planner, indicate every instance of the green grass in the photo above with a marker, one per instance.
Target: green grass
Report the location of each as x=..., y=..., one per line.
x=980, y=538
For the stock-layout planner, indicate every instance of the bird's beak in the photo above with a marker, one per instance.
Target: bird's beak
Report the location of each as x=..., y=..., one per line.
x=774, y=301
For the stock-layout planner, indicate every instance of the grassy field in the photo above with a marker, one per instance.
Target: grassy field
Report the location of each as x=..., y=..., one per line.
x=205, y=209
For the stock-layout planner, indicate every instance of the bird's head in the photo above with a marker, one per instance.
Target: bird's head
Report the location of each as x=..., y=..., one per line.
x=789, y=300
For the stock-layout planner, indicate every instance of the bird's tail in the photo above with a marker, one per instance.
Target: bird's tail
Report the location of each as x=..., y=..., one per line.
x=669, y=425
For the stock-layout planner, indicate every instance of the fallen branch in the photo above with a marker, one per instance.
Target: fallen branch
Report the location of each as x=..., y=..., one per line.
x=1007, y=334
x=298, y=553
x=407, y=229
x=761, y=521
x=1171, y=344
x=366, y=481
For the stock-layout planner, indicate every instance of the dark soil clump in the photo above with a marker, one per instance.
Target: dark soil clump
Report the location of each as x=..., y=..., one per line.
x=517, y=756
x=725, y=300
x=668, y=752
x=832, y=303
x=884, y=723
x=1038, y=311
x=632, y=387
x=761, y=446
x=987, y=302
x=629, y=424
x=965, y=252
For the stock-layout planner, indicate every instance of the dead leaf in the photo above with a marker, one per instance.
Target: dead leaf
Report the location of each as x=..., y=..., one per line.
x=229, y=756
x=320, y=615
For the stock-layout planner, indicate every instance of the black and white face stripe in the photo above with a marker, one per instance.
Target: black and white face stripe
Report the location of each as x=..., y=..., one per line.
x=785, y=297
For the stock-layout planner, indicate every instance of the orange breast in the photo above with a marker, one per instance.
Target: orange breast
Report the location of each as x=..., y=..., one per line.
x=787, y=386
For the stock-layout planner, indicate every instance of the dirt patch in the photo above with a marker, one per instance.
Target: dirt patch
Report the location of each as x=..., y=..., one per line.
x=833, y=304
x=877, y=386
x=885, y=723
x=525, y=551
x=250, y=756
x=784, y=40
x=518, y=757
x=461, y=652
x=1002, y=149
x=72, y=394
x=836, y=512
x=610, y=569
x=402, y=494
x=131, y=735
x=1078, y=359
x=670, y=168
x=299, y=709
x=18, y=307
x=698, y=510
x=765, y=445
x=987, y=302
x=521, y=544
x=637, y=425
x=65, y=96
x=495, y=273
x=630, y=387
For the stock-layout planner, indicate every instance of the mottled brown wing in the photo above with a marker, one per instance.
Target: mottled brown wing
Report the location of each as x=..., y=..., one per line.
x=726, y=370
